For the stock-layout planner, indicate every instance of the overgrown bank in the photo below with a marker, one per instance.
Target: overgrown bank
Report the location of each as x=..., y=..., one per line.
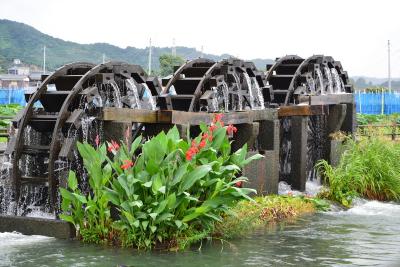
x=369, y=168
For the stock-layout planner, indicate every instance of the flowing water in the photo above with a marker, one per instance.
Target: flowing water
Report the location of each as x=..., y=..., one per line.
x=337, y=81
x=365, y=235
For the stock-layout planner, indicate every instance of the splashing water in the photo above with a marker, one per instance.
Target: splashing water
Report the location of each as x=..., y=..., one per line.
x=225, y=92
x=130, y=83
x=320, y=87
x=311, y=85
x=116, y=95
x=258, y=92
x=147, y=95
x=312, y=189
x=214, y=102
x=86, y=125
x=329, y=78
x=239, y=89
x=250, y=89
x=337, y=81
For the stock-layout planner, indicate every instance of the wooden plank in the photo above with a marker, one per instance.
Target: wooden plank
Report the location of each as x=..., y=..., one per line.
x=196, y=118
x=326, y=99
x=300, y=110
x=184, y=117
x=136, y=115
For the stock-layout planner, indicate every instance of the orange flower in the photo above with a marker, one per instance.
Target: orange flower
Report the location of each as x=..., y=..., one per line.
x=127, y=164
x=231, y=129
x=113, y=147
x=202, y=144
x=217, y=117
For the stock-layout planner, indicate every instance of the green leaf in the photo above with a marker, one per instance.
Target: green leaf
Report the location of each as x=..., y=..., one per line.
x=72, y=181
x=153, y=215
x=178, y=223
x=162, y=189
x=135, y=145
x=153, y=228
x=137, y=203
x=67, y=218
x=171, y=200
x=173, y=133
x=179, y=173
x=192, y=177
x=66, y=194
x=218, y=138
x=157, y=183
x=144, y=224
x=250, y=159
x=148, y=184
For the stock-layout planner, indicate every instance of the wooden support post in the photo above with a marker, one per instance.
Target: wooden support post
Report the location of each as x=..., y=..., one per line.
x=335, y=118
x=268, y=142
x=298, y=176
x=350, y=121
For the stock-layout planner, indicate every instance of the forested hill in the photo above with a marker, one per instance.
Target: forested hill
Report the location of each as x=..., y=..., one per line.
x=18, y=40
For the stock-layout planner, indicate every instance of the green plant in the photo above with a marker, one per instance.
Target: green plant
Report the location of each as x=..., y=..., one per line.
x=90, y=213
x=164, y=189
x=368, y=168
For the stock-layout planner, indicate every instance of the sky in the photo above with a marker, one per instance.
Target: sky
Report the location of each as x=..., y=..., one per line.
x=353, y=31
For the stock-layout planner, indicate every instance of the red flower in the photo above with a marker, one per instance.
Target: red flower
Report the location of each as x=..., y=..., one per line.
x=212, y=127
x=127, y=164
x=238, y=184
x=217, y=117
x=231, y=129
x=113, y=147
x=290, y=194
x=202, y=144
x=97, y=140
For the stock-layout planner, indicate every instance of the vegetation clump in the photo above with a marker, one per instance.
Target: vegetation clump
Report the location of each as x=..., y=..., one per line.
x=247, y=216
x=159, y=192
x=368, y=168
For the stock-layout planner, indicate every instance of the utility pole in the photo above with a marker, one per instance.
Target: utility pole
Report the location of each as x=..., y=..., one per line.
x=104, y=58
x=202, y=54
x=150, y=58
x=389, y=76
x=44, y=59
x=173, y=47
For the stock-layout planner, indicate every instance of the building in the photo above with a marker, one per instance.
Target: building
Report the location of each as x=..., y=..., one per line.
x=12, y=81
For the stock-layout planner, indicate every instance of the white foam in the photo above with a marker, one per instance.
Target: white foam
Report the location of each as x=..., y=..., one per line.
x=312, y=189
x=374, y=208
x=15, y=239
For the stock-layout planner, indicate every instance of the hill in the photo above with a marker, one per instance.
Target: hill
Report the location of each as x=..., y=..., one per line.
x=18, y=40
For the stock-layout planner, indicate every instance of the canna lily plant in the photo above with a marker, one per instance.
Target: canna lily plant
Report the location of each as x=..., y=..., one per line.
x=162, y=188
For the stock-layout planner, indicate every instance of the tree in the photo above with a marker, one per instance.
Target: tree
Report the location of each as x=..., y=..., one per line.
x=167, y=63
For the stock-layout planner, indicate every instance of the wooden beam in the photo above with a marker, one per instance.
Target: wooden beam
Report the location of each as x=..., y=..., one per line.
x=305, y=110
x=136, y=115
x=183, y=117
x=327, y=99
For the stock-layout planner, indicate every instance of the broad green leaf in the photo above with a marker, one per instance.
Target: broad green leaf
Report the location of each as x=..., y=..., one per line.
x=250, y=159
x=191, y=178
x=157, y=183
x=144, y=224
x=72, y=181
x=135, y=145
x=67, y=218
x=148, y=184
x=171, y=200
x=179, y=173
x=173, y=134
x=153, y=228
x=66, y=194
x=178, y=223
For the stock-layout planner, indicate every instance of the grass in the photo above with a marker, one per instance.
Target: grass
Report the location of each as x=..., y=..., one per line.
x=247, y=216
x=7, y=110
x=369, y=168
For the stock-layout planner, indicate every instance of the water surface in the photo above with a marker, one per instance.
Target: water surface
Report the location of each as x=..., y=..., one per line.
x=366, y=235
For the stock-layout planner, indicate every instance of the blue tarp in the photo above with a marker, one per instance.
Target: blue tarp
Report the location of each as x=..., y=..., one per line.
x=378, y=103
x=12, y=96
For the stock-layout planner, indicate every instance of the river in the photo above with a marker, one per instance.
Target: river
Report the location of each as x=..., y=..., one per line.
x=366, y=235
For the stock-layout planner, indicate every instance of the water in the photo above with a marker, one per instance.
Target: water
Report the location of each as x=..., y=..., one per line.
x=239, y=99
x=148, y=97
x=365, y=235
x=259, y=95
x=329, y=79
x=337, y=81
x=116, y=95
x=320, y=85
x=133, y=93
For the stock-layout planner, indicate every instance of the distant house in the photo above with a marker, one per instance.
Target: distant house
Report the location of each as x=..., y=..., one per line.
x=11, y=81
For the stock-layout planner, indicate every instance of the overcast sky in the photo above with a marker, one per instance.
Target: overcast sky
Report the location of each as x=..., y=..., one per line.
x=354, y=32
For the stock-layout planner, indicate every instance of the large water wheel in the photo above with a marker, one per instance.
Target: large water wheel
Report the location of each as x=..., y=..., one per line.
x=292, y=77
x=58, y=114
x=205, y=85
